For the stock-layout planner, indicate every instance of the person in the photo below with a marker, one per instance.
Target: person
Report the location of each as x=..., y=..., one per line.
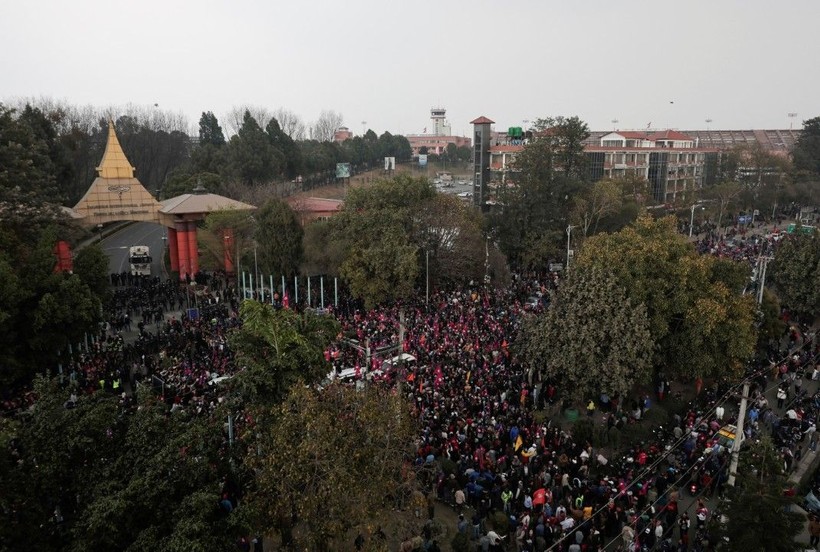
x=628, y=536
x=462, y=524
x=781, y=397
x=460, y=499
x=495, y=541
x=814, y=531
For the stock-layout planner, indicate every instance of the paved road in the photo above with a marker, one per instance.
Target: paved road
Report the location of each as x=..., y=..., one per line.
x=141, y=233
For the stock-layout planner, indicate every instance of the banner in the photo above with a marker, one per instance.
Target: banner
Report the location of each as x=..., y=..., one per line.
x=422, y=160
x=390, y=163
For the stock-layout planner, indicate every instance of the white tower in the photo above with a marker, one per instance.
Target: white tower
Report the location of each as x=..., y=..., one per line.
x=440, y=126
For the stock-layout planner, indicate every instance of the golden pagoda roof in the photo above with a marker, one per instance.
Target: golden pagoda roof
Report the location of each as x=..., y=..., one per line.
x=114, y=164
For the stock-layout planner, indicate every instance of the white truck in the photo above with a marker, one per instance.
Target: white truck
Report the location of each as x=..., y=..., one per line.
x=139, y=257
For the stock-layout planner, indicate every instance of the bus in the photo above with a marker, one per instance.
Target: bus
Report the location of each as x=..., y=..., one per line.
x=139, y=257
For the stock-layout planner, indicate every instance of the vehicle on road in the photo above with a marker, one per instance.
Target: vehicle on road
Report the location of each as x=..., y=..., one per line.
x=139, y=257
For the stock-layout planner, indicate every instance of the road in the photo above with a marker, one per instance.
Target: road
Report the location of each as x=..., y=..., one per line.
x=116, y=246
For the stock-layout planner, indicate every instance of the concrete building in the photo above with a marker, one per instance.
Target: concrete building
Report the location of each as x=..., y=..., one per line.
x=436, y=142
x=342, y=134
x=669, y=160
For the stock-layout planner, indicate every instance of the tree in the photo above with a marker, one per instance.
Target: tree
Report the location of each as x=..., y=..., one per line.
x=251, y=156
x=450, y=231
x=760, y=502
x=591, y=336
x=565, y=136
x=326, y=126
x=91, y=266
x=599, y=200
x=796, y=274
x=378, y=226
x=694, y=307
x=724, y=194
x=279, y=238
x=291, y=123
x=28, y=193
x=327, y=460
x=806, y=154
x=209, y=130
x=278, y=349
x=285, y=144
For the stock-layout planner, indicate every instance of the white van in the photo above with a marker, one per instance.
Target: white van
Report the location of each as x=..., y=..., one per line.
x=408, y=360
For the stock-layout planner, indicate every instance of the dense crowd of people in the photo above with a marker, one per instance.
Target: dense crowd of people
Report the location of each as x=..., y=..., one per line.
x=485, y=442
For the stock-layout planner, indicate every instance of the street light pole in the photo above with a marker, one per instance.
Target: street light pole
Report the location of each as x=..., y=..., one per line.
x=692, y=219
x=569, y=233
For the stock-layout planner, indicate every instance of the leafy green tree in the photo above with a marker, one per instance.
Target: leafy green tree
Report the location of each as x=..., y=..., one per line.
x=327, y=460
x=285, y=144
x=694, y=307
x=251, y=157
x=379, y=228
x=760, y=503
x=279, y=238
x=28, y=192
x=43, y=311
x=548, y=174
x=806, y=154
x=91, y=265
x=591, y=336
x=565, y=136
x=796, y=274
x=209, y=130
x=278, y=349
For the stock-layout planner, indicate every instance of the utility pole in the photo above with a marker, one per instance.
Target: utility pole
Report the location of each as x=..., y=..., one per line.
x=401, y=352
x=741, y=417
x=763, y=262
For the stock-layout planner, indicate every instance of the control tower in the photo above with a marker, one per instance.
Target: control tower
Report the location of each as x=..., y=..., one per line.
x=440, y=125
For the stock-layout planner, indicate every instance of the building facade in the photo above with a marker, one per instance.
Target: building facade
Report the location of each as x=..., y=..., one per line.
x=436, y=142
x=669, y=160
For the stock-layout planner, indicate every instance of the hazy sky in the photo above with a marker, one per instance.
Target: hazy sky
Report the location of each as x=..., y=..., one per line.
x=741, y=63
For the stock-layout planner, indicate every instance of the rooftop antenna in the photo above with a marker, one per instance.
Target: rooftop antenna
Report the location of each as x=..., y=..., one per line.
x=707, y=123
x=614, y=124
x=364, y=127
x=791, y=115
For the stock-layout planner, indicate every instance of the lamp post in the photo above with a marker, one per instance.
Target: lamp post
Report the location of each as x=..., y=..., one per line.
x=692, y=217
x=99, y=229
x=569, y=234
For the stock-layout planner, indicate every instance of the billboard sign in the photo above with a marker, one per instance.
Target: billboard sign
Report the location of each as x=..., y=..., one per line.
x=422, y=160
x=342, y=170
x=390, y=163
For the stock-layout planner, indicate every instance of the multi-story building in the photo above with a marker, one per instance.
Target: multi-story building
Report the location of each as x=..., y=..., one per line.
x=669, y=160
x=436, y=142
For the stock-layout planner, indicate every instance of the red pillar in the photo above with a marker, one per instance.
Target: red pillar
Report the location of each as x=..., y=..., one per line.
x=172, y=249
x=228, y=245
x=193, y=249
x=182, y=250
x=64, y=261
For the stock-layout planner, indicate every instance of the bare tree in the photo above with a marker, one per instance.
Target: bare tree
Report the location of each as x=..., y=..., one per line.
x=232, y=121
x=290, y=123
x=326, y=125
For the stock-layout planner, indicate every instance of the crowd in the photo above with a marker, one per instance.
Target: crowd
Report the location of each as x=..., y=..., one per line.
x=484, y=436
x=485, y=441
